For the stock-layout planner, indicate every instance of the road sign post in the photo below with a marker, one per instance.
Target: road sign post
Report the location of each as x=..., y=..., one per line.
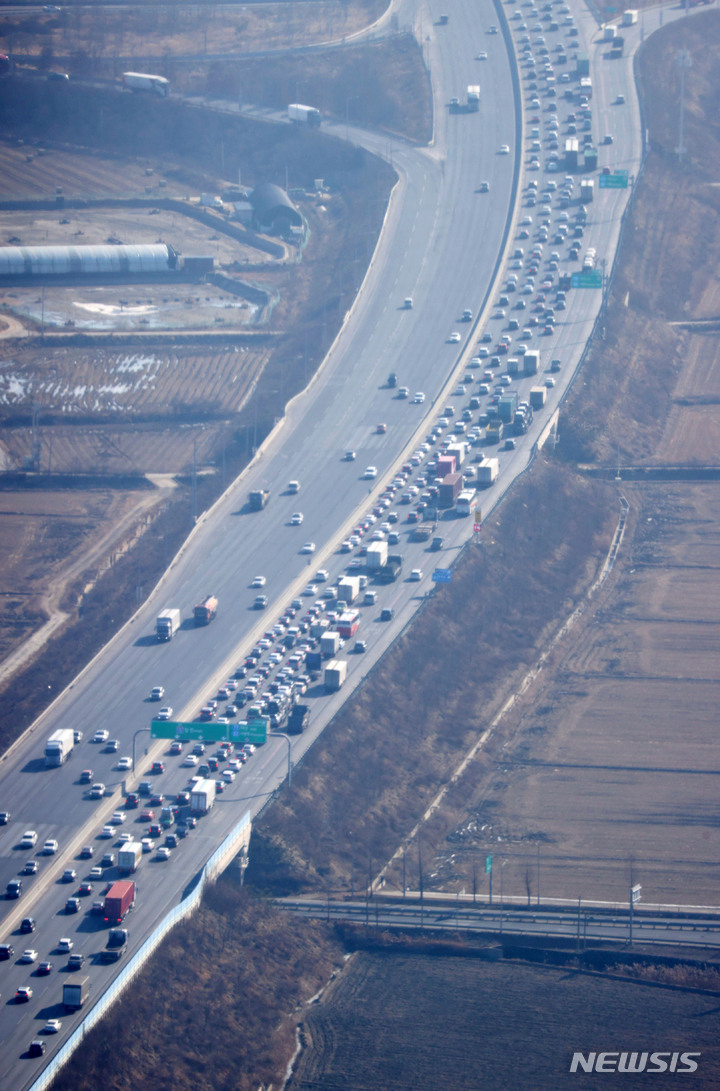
x=591, y=279
x=488, y=871
x=442, y=575
x=634, y=897
x=618, y=180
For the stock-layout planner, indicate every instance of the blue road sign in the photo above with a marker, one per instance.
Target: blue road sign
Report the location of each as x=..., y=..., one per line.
x=442, y=575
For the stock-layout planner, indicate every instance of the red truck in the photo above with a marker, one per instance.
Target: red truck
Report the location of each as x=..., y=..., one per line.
x=205, y=611
x=449, y=490
x=119, y=898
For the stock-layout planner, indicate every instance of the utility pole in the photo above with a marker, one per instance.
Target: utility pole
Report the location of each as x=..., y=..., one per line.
x=684, y=61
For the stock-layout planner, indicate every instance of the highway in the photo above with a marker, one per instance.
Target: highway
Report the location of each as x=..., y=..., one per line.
x=585, y=923
x=440, y=246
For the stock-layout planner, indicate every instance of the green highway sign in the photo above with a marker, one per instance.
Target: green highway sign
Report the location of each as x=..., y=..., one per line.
x=254, y=731
x=587, y=280
x=618, y=180
x=488, y=865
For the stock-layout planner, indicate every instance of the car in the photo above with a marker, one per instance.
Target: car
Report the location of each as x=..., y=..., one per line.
x=350, y=456
x=69, y=875
x=95, y=872
x=44, y=968
x=311, y=589
x=65, y=945
x=28, y=955
x=72, y=905
x=370, y=473
x=75, y=962
x=118, y=817
x=176, y=747
x=37, y=1046
x=124, y=764
x=108, y=859
x=157, y=693
x=259, y=581
x=30, y=868
x=228, y=776
x=28, y=840
x=620, y=100
x=418, y=398
x=53, y=1026
x=107, y=832
x=381, y=429
x=85, y=889
x=97, y=791
x=163, y=853
x=549, y=381
x=147, y=844
x=86, y=776
x=296, y=519
x=309, y=547
x=189, y=761
x=101, y=735
x=27, y=925
x=147, y=815
x=416, y=575
x=165, y=713
x=4, y=818
x=504, y=149
x=454, y=338
x=23, y=994
x=50, y=847
x=260, y=602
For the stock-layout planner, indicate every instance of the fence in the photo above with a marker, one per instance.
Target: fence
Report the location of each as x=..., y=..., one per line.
x=230, y=847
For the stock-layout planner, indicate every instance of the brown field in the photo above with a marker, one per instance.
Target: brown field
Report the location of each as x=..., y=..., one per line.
x=400, y=1022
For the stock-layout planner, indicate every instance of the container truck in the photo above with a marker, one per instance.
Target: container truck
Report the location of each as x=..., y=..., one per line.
x=458, y=451
x=144, y=81
x=487, y=472
x=118, y=900
x=348, y=588
x=591, y=158
x=473, y=98
x=572, y=146
x=507, y=407
x=304, y=115
x=532, y=363
x=335, y=674
x=167, y=624
x=129, y=856
x=630, y=18
x=537, y=396
x=377, y=554
x=298, y=720
x=313, y=660
x=330, y=644
x=446, y=465
x=391, y=569
x=348, y=624
x=75, y=993
x=465, y=502
x=258, y=498
x=449, y=490
x=205, y=611
x=202, y=796
x=59, y=746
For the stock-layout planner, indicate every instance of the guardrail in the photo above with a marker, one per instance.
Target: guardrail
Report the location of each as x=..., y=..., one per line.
x=217, y=863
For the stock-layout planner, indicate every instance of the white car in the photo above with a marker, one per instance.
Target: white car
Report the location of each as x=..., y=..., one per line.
x=259, y=581
x=293, y=487
x=29, y=839
x=190, y=761
x=370, y=473
x=454, y=338
x=309, y=547
x=296, y=519
x=147, y=844
x=65, y=945
x=228, y=776
x=163, y=853
x=321, y=575
x=157, y=693
x=28, y=955
x=350, y=456
x=124, y=764
x=118, y=817
x=101, y=736
x=416, y=575
x=481, y=56
x=50, y=847
x=419, y=398
x=53, y=1026
x=107, y=832
x=165, y=713
x=310, y=590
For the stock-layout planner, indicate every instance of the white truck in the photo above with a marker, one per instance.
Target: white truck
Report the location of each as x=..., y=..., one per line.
x=129, y=856
x=304, y=115
x=167, y=624
x=144, y=81
x=377, y=554
x=202, y=796
x=330, y=644
x=630, y=17
x=348, y=588
x=473, y=98
x=487, y=472
x=59, y=746
x=465, y=502
x=335, y=674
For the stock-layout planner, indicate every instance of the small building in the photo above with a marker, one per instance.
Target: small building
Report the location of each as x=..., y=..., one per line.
x=273, y=209
x=103, y=260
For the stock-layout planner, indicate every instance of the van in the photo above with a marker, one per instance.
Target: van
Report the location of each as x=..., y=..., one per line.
x=370, y=598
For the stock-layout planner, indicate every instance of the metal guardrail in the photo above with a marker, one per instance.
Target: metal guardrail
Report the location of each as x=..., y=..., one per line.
x=217, y=863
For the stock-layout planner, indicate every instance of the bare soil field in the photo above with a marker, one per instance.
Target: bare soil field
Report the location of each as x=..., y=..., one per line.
x=401, y=1022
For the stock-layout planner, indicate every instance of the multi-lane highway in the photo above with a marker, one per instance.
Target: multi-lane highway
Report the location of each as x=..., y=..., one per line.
x=440, y=246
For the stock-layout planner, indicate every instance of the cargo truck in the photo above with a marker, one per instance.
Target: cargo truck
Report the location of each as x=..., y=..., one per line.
x=335, y=674
x=537, y=396
x=449, y=490
x=298, y=720
x=75, y=993
x=465, y=502
x=348, y=624
x=582, y=64
x=313, y=661
x=572, y=146
x=348, y=589
x=330, y=644
x=391, y=569
x=202, y=796
x=458, y=451
x=304, y=115
x=167, y=624
x=586, y=87
x=377, y=554
x=205, y=611
x=59, y=746
x=609, y=32
x=144, y=81
x=421, y=532
x=507, y=407
x=487, y=472
x=587, y=190
x=618, y=47
x=258, y=498
x=494, y=431
x=531, y=362
x=446, y=465
x=116, y=945
x=118, y=900
x=630, y=18
x=473, y=98
x=129, y=856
